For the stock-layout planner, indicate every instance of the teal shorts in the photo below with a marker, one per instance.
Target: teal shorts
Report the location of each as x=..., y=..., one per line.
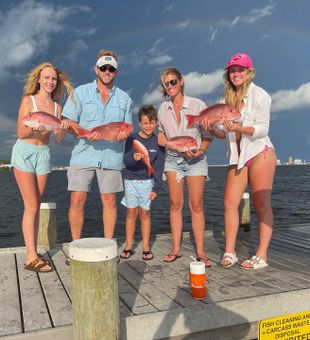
x=31, y=158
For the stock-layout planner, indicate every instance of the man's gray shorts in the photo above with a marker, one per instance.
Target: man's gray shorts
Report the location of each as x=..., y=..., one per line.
x=80, y=179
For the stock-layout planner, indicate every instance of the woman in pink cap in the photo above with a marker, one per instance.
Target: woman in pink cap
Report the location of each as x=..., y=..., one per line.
x=252, y=158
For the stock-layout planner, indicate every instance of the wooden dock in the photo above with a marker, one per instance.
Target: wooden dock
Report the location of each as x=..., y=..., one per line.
x=155, y=301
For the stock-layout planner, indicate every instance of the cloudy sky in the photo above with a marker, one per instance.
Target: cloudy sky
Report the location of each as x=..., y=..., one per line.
x=196, y=36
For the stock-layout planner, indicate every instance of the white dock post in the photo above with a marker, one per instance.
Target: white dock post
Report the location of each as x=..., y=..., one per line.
x=47, y=234
x=244, y=212
x=94, y=289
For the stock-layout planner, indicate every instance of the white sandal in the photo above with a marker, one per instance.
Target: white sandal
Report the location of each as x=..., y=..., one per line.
x=230, y=259
x=255, y=262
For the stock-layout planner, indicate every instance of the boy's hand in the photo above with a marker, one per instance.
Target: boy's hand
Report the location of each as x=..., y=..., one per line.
x=137, y=156
x=153, y=195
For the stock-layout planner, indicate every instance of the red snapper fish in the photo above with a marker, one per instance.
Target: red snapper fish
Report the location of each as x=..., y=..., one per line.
x=50, y=122
x=110, y=132
x=182, y=143
x=140, y=148
x=215, y=114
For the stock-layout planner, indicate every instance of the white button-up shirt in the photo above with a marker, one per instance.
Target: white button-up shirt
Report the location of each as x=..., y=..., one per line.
x=169, y=126
x=256, y=114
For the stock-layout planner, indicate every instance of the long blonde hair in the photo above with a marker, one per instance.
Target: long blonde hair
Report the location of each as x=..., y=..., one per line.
x=32, y=84
x=230, y=93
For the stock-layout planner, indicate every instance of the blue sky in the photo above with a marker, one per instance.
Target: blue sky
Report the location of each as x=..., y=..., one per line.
x=196, y=36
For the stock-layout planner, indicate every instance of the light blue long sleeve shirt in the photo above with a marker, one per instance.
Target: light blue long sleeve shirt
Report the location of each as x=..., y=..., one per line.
x=88, y=111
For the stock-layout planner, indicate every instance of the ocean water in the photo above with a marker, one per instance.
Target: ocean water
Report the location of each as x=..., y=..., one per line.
x=290, y=199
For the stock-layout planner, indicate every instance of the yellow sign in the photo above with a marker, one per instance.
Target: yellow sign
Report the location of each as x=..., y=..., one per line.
x=288, y=327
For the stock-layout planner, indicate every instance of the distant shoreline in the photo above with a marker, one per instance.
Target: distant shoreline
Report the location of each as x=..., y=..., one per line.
x=8, y=167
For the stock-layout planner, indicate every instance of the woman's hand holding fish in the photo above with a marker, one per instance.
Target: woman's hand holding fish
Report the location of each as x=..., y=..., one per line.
x=65, y=124
x=40, y=129
x=230, y=126
x=195, y=153
x=137, y=156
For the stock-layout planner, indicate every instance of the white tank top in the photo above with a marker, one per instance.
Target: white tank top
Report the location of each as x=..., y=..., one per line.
x=35, y=108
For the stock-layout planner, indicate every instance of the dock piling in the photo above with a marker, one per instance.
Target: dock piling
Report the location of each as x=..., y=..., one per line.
x=94, y=289
x=47, y=235
x=244, y=212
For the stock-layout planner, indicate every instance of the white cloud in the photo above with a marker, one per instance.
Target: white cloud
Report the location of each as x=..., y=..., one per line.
x=253, y=16
x=283, y=100
x=213, y=33
x=259, y=13
x=183, y=24
x=160, y=60
x=197, y=84
x=26, y=30
x=154, y=97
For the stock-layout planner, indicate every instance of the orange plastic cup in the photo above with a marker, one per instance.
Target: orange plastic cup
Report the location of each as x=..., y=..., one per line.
x=198, y=280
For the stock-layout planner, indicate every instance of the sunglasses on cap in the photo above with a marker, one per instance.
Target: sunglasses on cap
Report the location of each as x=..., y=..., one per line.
x=110, y=68
x=172, y=82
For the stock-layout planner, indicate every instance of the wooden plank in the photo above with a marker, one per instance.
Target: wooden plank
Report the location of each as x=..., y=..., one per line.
x=10, y=317
x=131, y=298
x=58, y=257
x=34, y=309
x=58, y=302
x=155, y=297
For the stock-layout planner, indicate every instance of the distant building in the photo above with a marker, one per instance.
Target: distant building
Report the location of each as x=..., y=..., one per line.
x=298, y=161
x=290, y=160
x=278, y=162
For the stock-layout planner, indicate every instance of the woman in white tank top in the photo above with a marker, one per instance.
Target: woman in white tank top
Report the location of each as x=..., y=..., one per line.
x=43, y=91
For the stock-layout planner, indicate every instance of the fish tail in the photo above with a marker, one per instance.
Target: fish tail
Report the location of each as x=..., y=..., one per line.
x=151, y=170
x=190, y=120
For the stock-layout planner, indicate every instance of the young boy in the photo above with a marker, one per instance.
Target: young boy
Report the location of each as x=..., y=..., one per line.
x=142, y=178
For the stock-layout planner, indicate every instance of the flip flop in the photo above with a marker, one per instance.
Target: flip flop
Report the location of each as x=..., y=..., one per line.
x=230, y=259
x=206, y=260
x=255, y=262
x=37, y=265
x=127, y=254
x=147, y=255
x=172, y=257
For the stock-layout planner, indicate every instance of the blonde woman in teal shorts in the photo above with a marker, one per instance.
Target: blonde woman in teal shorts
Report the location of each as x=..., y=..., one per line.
x=31, y=158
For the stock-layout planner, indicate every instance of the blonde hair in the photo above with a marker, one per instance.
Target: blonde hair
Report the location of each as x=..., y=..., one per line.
x=230, y=93
x=170, y=70
x=32, y=84
x=103, y=52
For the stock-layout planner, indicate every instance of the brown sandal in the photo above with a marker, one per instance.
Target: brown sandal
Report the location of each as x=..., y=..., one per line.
x=37, y=265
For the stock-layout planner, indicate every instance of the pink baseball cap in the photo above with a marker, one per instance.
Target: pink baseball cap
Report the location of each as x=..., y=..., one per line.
x=240, y=59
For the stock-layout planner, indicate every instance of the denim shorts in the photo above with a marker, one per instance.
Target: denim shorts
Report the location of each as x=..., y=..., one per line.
x=31, y=158
x=137, y=193
x=80, y=179
x=187, y=166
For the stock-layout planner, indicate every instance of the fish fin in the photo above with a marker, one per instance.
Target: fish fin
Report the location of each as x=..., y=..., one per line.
x=190, y=120
x=77, y=130
x=151, y=170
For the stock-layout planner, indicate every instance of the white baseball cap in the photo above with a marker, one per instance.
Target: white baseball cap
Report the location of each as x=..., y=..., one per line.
x=107, y=60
